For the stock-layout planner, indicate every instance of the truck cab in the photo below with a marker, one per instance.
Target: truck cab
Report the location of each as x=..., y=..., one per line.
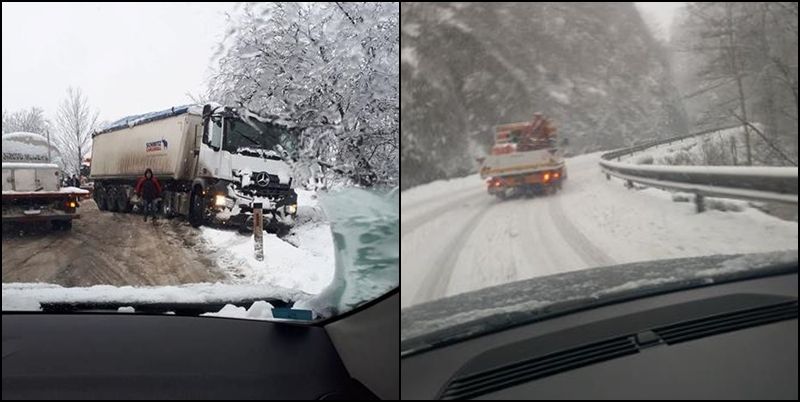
x=245, y=155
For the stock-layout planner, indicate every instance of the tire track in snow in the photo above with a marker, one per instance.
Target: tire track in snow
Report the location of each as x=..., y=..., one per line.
x=581, y=245
x=434, y=284
x=541, y=252
x=410, y=206
x=412, y=224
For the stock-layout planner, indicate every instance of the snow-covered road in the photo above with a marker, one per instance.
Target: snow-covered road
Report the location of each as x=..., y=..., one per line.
x=456, y=238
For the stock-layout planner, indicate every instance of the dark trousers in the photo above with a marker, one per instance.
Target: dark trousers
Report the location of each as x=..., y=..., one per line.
x=149, y=209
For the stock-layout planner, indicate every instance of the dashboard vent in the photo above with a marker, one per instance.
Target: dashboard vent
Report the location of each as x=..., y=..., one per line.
x=473, y=385
x=727, y=322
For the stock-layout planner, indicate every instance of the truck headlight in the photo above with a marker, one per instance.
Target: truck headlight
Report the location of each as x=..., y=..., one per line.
x=291, y=209
x=219, y=200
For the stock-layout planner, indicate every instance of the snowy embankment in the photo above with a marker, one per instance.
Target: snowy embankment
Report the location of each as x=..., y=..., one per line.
x=457, y=238
x=719, y=148
x=304, y=260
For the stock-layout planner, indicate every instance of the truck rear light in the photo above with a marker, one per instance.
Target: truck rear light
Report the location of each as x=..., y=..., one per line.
x=495, y=182
x=556, y=174
x=547, y=177
x=72, y=204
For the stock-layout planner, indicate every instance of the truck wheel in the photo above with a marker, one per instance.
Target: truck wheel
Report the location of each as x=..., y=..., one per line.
x=166, y=207
x=196, y=208
x=111, y=199
x=122, y=202
x=100, y=199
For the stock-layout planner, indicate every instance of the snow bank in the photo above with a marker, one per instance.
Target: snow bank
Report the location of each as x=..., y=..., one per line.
x=757, y=171
x=307, y=265
x=441, y=190
x=303, y=260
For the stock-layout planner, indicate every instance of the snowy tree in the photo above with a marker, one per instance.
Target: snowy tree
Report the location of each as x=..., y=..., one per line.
x=741, y=66
x=31, y=120
x=332, y=71
x=75, y=123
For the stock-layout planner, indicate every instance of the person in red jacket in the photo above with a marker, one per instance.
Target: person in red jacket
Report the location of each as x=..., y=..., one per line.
x=149, y=189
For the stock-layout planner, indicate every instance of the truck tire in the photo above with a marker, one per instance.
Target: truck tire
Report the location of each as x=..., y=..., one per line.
x=122, y=201
x=196, y=210
x=61, y=225
x=166, y=208
x=100, y=198
x=111, y=199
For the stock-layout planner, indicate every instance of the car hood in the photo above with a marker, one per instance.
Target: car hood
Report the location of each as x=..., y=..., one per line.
x=461, y=316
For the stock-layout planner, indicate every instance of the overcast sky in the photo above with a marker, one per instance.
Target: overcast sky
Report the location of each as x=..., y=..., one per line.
x=127, y=58
x=658, y=17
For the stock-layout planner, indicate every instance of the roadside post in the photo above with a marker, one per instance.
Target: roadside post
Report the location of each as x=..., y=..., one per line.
x=258, y=231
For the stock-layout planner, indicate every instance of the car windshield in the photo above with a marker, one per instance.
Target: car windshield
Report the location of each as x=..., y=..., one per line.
x=670, y=132
x=291, y=214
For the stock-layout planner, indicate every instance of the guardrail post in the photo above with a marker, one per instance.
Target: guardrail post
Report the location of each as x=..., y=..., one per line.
x=608, y=176
x=698, y=202
x=629, y=184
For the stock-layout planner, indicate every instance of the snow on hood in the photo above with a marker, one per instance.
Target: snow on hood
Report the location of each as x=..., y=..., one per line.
x=264, y=153
x=246, y=165
x=460, y=316
x=27, y=296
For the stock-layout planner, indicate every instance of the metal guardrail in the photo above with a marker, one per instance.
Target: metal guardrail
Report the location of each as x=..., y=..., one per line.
x=778, y=184
x=649, y=144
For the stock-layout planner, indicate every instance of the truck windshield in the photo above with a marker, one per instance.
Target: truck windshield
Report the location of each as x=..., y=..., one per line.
x=252, y=134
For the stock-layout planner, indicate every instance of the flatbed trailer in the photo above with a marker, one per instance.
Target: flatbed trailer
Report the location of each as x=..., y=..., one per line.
x=31, y=194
